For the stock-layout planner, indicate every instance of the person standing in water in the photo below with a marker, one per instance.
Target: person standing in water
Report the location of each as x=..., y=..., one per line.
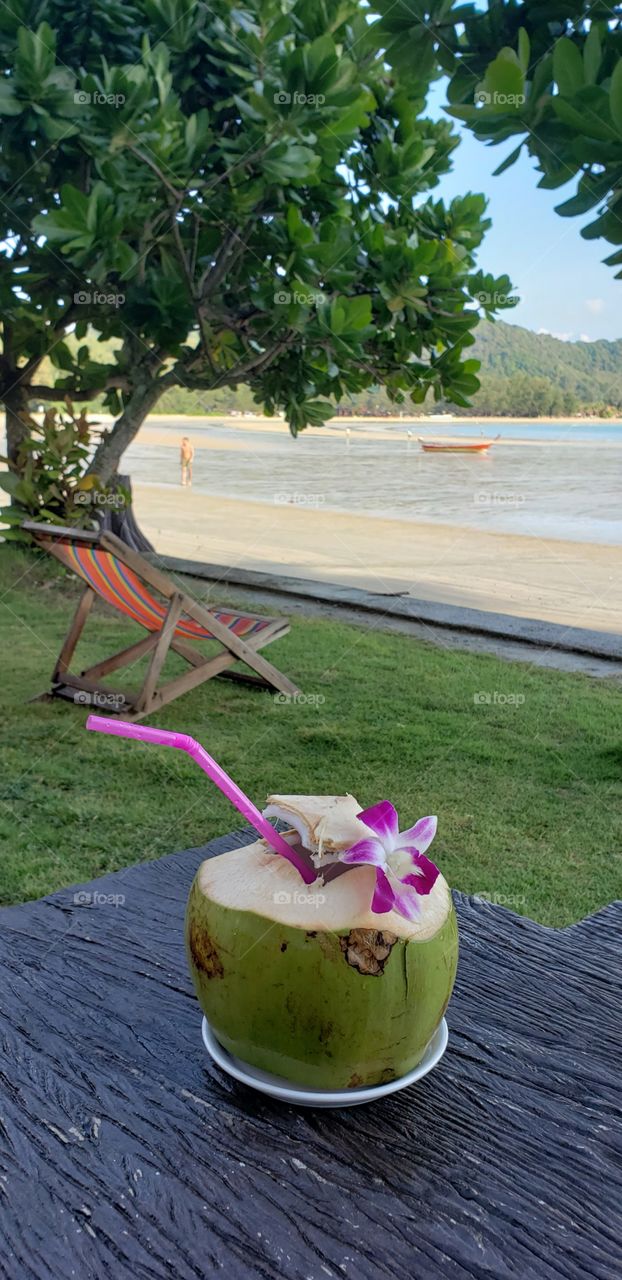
x=186, y=457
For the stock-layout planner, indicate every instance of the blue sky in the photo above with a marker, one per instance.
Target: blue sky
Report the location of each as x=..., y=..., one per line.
x=560, y=278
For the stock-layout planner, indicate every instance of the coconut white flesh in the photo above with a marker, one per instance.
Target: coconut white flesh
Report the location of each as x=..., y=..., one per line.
x=326, y=825
x=258, y=880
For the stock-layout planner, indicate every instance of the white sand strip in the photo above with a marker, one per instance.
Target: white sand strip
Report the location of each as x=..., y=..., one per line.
x=576, y=584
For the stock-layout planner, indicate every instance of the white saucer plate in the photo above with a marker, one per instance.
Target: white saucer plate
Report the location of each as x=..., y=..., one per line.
x=302, y=1095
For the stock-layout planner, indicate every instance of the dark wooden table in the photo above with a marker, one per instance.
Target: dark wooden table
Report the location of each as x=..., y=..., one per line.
x=124, y=1153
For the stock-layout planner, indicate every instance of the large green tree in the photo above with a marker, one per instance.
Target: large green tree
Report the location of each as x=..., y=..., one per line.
x=236, y=193
x=548, y=72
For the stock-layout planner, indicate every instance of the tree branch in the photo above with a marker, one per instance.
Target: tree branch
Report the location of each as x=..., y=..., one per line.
x=178, y=195
x=245, y=159
x=236, y=241
x=26, y=371
x=179, y=375
x=38, y=392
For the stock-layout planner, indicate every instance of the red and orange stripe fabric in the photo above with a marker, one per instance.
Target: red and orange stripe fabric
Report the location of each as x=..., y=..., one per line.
x=120, y=587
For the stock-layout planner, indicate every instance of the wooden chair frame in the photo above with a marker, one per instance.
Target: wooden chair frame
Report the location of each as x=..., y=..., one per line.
x=87, y=687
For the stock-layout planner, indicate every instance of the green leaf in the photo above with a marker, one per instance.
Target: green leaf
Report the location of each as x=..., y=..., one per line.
x=592, y=189
x=615, y=96
x=9, y=104
x=15, y=535
x=462, y=86
x=11, y=515
x=466, y=113
x=608, y=225
x=581, y=203
x=503, y=88
x=61, y=357
x=524, y=48
x=358, y=313
x=278, y=30
x=337, y=316
x=35, y=57
x=321, y=63
x=542, y=78
x=509, y=160
x=9, y=481
x=592, y=55
x=568, y=67
x=123, y=258
x=25, y=492
x=57, y=130
x=290, y=164
x=583, y=122
x=558, y=178
x=418, y=394
x=75, y=203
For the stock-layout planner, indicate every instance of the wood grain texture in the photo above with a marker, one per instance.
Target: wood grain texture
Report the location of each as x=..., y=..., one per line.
x=125, y=1154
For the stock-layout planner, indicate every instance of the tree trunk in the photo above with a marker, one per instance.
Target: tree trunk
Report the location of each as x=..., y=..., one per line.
x=16, y=421
x=111, y=448
x=122, y=520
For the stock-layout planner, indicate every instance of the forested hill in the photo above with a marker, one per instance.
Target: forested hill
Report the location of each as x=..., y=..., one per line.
x=521, y=371
x=507, y=348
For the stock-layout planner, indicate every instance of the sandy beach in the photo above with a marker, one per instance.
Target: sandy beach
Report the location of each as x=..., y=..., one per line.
x=575, y=584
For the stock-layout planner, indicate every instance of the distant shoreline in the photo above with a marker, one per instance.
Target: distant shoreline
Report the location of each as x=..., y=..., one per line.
x=165, y=430
x=232, y=420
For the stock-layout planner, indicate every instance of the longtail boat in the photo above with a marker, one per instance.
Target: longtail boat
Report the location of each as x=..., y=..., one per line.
x=455, y=445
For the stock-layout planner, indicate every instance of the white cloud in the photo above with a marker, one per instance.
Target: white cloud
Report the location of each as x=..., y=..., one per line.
x=566, y=337
x=595, y=305
x=562, y=337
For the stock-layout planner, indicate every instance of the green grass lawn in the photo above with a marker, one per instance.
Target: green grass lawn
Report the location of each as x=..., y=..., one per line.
x=528, y=793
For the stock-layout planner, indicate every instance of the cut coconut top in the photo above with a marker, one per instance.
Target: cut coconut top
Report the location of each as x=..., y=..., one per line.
x=256, y=879
x=326, y=825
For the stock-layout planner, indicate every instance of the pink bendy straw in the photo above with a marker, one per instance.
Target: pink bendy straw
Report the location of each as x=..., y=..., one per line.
x=229, y=788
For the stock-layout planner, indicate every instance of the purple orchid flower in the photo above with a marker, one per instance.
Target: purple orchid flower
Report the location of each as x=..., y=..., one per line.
x=403, y=873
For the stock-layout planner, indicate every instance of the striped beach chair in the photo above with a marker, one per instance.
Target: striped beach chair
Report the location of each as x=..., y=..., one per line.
x=172, y=619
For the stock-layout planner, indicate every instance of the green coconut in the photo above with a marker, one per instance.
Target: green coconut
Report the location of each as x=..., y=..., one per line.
x=306, y=982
